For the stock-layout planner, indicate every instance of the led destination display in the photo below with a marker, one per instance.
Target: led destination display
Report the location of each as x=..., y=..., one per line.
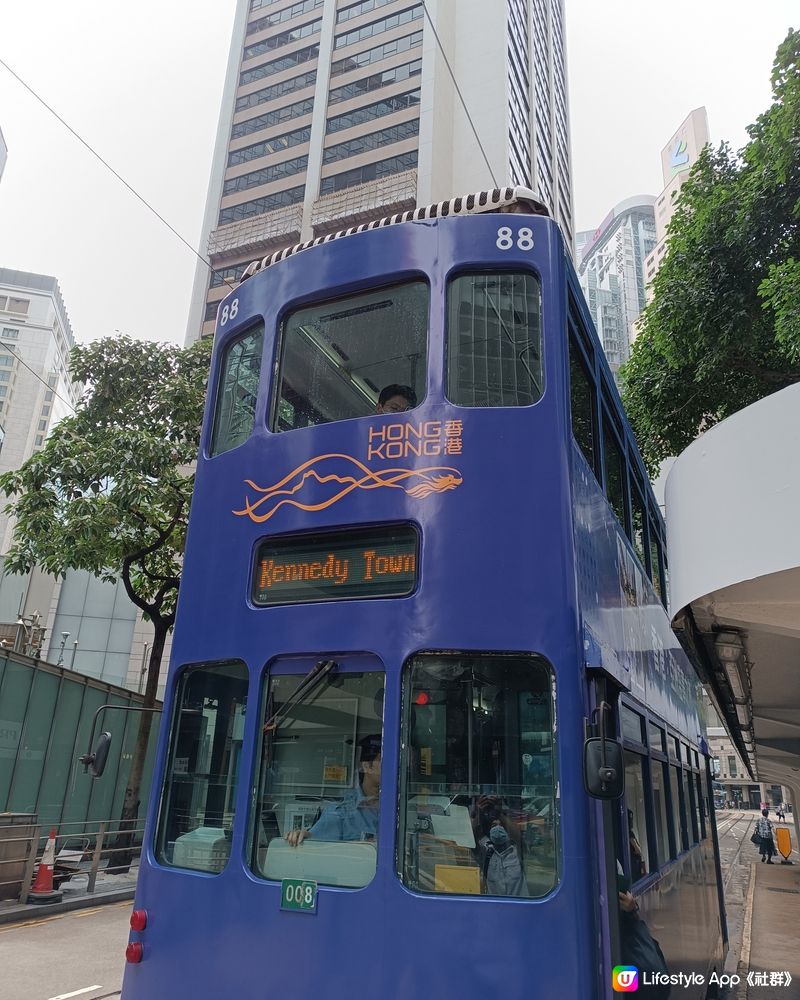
x=336, y=566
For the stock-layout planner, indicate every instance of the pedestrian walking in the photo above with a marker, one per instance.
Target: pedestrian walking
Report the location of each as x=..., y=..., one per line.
x=764, y=831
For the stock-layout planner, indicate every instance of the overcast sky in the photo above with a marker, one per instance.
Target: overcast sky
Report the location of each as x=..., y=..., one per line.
x=141, y=83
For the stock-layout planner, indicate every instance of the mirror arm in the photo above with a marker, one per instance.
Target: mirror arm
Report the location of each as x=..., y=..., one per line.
x=87, y=758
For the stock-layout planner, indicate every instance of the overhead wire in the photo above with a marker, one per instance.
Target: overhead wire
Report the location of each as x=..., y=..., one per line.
x=108, y=166
x=160, y=217
x=16, y=354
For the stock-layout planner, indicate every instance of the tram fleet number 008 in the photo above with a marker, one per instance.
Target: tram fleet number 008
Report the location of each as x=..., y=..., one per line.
x=505, y=241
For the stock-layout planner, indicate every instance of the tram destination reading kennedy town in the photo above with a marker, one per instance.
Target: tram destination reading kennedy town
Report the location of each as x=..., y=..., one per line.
x=378, y=562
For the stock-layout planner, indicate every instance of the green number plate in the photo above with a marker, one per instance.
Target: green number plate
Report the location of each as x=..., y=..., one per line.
x=298, y=894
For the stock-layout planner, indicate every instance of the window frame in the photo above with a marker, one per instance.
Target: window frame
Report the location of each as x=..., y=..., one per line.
x=533, y=657
x=298, y=666
x=329, y=297
x=518, y=270
x=158, y=843
x=256, y=328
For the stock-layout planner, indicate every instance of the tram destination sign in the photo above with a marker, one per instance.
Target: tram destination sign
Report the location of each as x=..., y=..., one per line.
x=336, y=565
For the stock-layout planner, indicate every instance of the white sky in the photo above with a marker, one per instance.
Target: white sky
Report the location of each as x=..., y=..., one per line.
x=141, y=82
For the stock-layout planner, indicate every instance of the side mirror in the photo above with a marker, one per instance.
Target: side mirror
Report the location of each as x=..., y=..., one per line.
x=603, y=770
x=95, y=762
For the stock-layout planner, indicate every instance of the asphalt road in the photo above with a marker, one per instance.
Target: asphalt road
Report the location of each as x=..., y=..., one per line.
x=78, y=955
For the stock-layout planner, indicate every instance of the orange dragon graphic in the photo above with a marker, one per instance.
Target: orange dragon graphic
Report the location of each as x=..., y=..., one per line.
x=339, y=475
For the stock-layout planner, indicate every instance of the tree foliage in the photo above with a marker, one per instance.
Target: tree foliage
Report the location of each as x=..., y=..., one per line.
x=110, y=490
x=723, y=327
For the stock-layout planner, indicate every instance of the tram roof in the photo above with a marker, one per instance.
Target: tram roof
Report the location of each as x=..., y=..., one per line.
x=507, y=199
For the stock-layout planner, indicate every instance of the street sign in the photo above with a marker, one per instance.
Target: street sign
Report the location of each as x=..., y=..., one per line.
x=299, y=894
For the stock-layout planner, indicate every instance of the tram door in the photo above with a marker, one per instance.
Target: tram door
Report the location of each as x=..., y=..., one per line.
x=605, y=700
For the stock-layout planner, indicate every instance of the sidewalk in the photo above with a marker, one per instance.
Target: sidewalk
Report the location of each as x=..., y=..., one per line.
x=109, y=888
x=771, y=945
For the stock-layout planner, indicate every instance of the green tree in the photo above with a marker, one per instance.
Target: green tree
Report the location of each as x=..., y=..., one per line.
x=110, y=490
x=723, y=327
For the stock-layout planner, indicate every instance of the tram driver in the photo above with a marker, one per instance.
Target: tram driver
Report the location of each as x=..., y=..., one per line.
x=356, y=816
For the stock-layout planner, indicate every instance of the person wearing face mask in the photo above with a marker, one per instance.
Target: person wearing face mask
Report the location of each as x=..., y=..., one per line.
x=500, y=864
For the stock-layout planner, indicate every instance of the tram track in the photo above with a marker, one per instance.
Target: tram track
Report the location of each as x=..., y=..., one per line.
x=734, y=825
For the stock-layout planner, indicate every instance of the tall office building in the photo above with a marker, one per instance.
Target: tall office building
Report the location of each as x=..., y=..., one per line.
x=336, y=112
x=677, y=160
x=86, y=623
x=611, y=272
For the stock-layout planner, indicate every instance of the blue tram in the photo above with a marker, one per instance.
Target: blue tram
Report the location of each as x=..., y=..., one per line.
x=423, y=566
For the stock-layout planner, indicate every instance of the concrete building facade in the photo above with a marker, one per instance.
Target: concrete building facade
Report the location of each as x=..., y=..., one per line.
x=612, y=274
x=335, y=112
x=677, y=159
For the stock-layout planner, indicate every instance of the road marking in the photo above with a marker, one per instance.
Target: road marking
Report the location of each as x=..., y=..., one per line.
x=77, y=993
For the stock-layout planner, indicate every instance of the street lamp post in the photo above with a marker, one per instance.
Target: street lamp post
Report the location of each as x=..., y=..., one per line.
x=64, y=637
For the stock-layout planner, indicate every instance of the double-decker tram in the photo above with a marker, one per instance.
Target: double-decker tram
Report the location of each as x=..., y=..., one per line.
x=425, y=717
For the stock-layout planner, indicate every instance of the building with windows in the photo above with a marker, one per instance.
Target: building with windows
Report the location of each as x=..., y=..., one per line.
x=612, y=275
x=79, y=622
x=677, y=160
x=336, y=112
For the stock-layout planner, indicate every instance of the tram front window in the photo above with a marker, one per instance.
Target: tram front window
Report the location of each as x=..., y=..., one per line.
x=479, y=806
x=318, y=790
x=338, y=357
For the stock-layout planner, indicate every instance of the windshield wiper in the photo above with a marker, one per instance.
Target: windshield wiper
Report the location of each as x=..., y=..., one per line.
x=309, y=683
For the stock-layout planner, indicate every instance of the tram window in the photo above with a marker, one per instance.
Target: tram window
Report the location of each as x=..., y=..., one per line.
x=637, y=512
x=199, y=793
x=658, y=775
x=337, y=357
x=678, y=810
x=582, y=401
x=636, y=806
x=655, y=562
x=632, y=724
x=318, y=791
x=657, y=737
x=494, y=340
x=691, y=807
x=234, y=415
x=701, y=810
x=615, y=476
x=478, y=800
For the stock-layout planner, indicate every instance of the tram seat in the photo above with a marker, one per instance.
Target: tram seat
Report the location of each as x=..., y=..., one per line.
x=346, y=862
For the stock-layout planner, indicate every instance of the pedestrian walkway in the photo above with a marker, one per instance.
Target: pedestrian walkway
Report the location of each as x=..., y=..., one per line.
x=109, y=888
x=770, y=939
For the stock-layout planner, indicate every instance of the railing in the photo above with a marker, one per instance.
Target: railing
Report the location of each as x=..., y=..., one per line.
x=83, y=848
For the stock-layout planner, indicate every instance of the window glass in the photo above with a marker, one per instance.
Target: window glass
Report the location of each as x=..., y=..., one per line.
x=615, y=475
x=637, y=512
x=657, y=737
x=338, y=357
x=237, y=391
x=701, y=806
x=678, y=810
x=732, y=767
x=658, y=772
x=199, y=794
x=319, y=779
x=636, y=808
x=675, y=747
x=494, y=340
x=691, y=807
x=582, y=401
x=478, y=800
x=655, y=561
x=632, y=724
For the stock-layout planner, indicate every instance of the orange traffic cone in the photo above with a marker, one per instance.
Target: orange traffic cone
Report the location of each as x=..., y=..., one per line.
x=42, y=889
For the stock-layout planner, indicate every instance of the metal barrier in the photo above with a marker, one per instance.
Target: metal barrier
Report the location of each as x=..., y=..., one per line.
x=82, y=848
